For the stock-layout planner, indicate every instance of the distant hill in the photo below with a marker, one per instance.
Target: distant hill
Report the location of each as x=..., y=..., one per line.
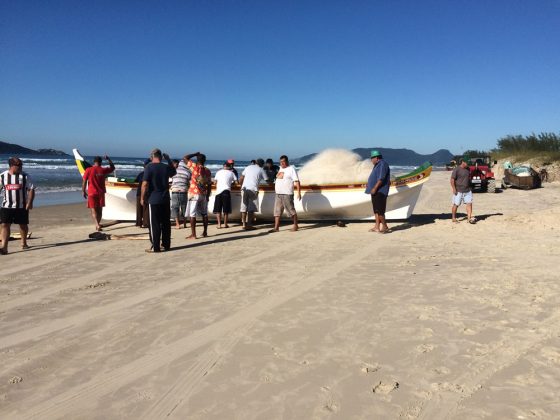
x=400, y=157
x=17, y=150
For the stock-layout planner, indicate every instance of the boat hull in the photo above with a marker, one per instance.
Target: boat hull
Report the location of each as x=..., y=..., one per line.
x=318, y=202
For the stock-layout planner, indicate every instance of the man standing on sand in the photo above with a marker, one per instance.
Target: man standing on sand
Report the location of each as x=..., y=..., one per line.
x=461, y=188
x=156, y=184
x=17, y=193
x=199, y=192
x=142, y=212
x=286, y=179
x=378, y=186
x=94, y=178
x=222, y=202
x=250, y=179
x=271, y=170
x=179, y=187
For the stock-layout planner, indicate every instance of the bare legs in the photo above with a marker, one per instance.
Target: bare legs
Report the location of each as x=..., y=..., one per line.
x=193, y=227
x=295, y=226
x=454, y=212
x=96, y=215
x=5, y=236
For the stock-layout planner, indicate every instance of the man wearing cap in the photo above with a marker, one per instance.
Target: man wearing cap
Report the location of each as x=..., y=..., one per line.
x=461, y=188
x=199, y=192
x=16, y=199
x=378, y=186
x=231, y=162
x=94, y=179
x=156, y=183
x=250, y=179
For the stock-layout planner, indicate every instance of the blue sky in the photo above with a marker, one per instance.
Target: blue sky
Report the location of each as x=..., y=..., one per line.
x=264, y=78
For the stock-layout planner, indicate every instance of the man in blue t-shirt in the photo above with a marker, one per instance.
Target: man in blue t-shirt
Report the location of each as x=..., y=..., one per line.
x=156, y=183
x=378, y=186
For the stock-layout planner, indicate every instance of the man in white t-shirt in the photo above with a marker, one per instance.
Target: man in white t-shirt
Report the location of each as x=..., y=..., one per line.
x=250, y=179
x=222, y=202
x=286, y=179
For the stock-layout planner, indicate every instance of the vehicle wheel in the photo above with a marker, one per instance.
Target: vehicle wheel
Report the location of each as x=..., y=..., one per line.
x=491, y=186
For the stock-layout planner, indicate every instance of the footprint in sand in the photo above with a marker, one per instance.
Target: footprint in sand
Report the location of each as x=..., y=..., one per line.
x=442, y=370
x=424, y=348
x=385, y=388
x=370, y=368
x=468, y=331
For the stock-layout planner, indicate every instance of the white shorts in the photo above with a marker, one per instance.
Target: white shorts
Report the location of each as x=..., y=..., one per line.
x=249, y=201
x=197, y=206
x=460, y=197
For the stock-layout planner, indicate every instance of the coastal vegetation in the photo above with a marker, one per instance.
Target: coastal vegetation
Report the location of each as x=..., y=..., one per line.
x=543, y=146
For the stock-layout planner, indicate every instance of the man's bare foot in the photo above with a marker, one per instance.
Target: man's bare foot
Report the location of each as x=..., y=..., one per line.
x=178, y=227
x=191, y=237
x=98, y=228
x=373, y=229
x=295, y=229
x=226, y=226
x=219, y=227
x=204, y=234
x=273, y=230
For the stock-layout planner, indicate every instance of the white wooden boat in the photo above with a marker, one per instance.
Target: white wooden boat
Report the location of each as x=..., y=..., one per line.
x=319, y=202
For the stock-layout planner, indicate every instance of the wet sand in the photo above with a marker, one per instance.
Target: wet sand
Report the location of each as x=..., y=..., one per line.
x=434, y=320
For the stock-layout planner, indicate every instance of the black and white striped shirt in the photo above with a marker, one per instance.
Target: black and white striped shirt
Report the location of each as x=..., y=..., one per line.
x=14, y=188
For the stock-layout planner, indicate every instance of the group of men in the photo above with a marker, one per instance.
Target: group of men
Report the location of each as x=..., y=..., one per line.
x=188, y=195
x=190, y=191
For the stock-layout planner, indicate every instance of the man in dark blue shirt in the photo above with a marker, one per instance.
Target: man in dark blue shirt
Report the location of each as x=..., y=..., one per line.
x=378, y=186
x=156, y=183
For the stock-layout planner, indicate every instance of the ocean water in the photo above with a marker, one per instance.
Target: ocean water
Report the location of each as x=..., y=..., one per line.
x=58, y=181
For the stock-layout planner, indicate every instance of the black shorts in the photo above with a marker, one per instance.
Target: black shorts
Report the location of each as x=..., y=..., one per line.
x=222, y=202
x=379, y=202
x=17, y=216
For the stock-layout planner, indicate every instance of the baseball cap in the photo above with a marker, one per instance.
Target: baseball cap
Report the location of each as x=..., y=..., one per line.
x=375, y=153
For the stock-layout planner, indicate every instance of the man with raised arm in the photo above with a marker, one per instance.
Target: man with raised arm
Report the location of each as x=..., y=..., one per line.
x=94, y=179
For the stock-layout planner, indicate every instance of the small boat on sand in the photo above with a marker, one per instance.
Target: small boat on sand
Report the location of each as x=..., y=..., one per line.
x=318, y=202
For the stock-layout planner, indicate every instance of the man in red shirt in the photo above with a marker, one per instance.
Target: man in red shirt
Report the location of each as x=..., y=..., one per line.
x=94, y=178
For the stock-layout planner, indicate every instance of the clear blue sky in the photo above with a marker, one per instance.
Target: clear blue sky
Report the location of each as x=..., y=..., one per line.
x=264, y=78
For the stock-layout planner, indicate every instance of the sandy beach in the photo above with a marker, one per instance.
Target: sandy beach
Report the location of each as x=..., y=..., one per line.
x=434, y=320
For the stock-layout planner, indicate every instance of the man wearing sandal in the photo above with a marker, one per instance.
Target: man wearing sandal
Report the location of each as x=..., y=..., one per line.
x=17, y=193
x=378, y=186
x=462, y=193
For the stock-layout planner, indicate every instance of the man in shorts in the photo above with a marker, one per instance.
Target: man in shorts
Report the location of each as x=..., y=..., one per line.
x=462, y=192
x=250, y=179
x=155, y=190
x=286, y=179
x=378, y=186
x=179, y=187
x=222, y=202
x=94, y=179
x=16, y=197
x=199, y=192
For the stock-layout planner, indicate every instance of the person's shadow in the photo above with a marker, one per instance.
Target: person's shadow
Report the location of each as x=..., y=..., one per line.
x=426, y=219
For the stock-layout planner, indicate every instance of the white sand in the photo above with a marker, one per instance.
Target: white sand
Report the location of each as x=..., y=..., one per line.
x=432, y=321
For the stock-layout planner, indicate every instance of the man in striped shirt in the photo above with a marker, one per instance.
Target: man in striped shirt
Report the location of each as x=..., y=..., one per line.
x=16, y=194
